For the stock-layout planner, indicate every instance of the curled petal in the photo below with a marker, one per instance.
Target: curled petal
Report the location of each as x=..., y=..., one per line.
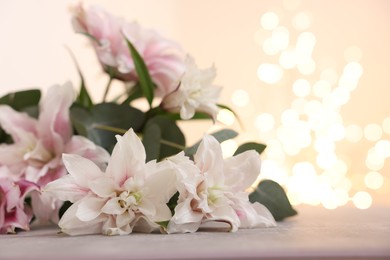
x=226, y=214
x=255, y=215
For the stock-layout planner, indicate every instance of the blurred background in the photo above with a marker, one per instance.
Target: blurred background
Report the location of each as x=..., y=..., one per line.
x=311, y=79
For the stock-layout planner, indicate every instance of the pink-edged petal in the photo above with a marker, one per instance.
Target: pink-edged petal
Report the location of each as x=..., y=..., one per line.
x=89, y=150
x=128, y=157
x=82, y=170
x=90, y=208
x=242, y=170
x=54, y=114
x=65, y=189
x=103, y=187
x=70, y=224
x=113, y=207
x=16, y=123
x=209, y=160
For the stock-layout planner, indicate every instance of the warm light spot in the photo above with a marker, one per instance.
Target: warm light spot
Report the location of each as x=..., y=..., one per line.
x=362, y=200
x=288, y=59
x=240, y=98
x=353, y=71
x=386, y=125
x=313, y=107
x=301, y=88
x=281, y=37
x=271, y=170
x=353, y=133
x=226, y=117
x=348, y=83
x=337, y=132
x=321, y=88
x=382, y=148
x=373, y=161
x=326, y=160
x=291, y=148
x=341, y=196
x=228, y=148
x=269, y=73
x=324, y=144
x=306, y=66
x=373, y=132
x=329, y=75
x=301, y=21
x=269, y=47
x=373, y=180
x=340, y=96
x=340, y=168
x=265, y=122
x=274, y=151
x=305, y=44
x=353, y=53
x=269, y=21
x=289, y=117
x=345, y=184
x=305, y=170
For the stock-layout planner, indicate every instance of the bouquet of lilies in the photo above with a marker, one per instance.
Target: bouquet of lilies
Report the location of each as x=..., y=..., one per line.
x=111, y=168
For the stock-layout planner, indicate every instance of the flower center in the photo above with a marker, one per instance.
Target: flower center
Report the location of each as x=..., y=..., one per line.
x=130, y=200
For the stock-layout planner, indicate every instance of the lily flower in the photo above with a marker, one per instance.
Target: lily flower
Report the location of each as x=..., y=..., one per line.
x=38, y=144
x=129, y=195
x=213, y=189
x=13, y=212
x=196, y=92
x=164, y=59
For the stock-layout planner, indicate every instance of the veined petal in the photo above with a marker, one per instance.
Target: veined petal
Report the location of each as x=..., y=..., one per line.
x=242, y=170
x=128, y=157
x=90, y=208
x=103, y=187
x=82, y=170
x=65, y=189
x=113, y=207
x=209, y=160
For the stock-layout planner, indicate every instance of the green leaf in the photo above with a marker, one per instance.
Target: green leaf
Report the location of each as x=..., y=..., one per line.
x=145, y=80
x=221, y=135
x=106, y=120
x=250, y=146
x=274, y=198
x=152, y=141
x=21, y=99
x=172, y=140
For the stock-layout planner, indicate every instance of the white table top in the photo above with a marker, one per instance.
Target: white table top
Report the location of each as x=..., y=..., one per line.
x=344, y=233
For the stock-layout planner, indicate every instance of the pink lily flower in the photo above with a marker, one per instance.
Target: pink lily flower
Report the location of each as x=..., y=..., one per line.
x=163, y=58
x=38, y=144
x=13, y=213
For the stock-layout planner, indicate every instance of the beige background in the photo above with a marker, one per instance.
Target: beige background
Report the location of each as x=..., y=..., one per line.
x=229, y=34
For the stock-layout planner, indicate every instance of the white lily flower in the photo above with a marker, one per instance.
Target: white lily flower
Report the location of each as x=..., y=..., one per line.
x=213, y=189
x=129, y=194
x=195, y=93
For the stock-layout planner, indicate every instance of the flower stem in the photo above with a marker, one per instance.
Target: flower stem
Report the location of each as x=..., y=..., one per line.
x=111, y=73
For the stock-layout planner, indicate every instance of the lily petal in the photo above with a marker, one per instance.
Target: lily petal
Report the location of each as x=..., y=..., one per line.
x=89, y=208
x=113, y=207
x=65, y=189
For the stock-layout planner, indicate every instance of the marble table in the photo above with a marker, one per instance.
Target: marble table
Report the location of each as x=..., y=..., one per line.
x=316, y=233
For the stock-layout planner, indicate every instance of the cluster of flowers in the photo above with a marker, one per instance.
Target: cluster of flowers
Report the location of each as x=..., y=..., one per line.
x=123, y=192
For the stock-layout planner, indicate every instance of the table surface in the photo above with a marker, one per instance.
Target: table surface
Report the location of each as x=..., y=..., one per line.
x=343, y=233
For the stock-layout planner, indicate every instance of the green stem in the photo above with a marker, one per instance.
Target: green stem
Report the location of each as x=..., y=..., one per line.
x=123, y=131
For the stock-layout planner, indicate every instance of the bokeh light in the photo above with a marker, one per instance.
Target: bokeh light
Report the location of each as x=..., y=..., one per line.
x=362, y=200
x=269, y=73
x=240, y=98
